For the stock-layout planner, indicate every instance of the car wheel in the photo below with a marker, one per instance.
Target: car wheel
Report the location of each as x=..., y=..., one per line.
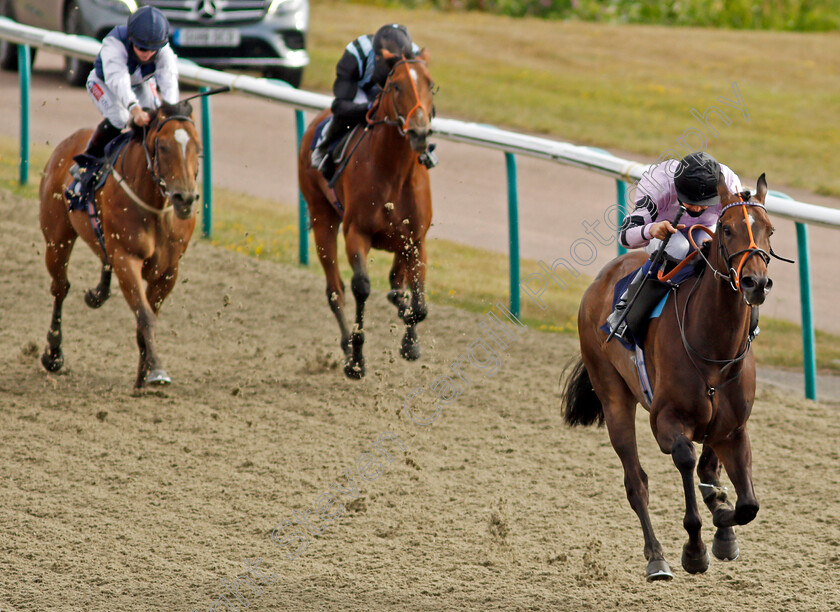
x=8, y=51
x=76, y=71
x=293, y=76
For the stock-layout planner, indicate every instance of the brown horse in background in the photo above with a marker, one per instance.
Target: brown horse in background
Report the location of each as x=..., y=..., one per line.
x=387, y=205
x=147, y=215
x=702, y=372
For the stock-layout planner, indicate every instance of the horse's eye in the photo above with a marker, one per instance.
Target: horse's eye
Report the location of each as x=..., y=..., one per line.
x=726, y=231
x=772, y=231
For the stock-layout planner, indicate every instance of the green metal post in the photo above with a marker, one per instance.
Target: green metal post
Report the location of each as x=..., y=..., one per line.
x=809, y=357
x=513, y=232
x=303, y=216
x=207, y=174
x=24, y=70
x=621, y=210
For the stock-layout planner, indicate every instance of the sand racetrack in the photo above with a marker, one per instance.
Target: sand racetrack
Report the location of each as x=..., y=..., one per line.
x=112, y=500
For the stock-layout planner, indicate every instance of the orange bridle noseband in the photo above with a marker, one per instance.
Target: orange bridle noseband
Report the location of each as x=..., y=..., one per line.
x=733, y=275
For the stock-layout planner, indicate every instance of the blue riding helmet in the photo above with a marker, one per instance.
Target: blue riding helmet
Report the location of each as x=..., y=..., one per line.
x=148, y=29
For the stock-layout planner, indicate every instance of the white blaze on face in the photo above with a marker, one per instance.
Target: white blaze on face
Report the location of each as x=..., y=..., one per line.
x=182, y=137
x=752, y=220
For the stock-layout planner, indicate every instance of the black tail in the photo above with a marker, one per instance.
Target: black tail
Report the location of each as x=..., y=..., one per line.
x=581, y=405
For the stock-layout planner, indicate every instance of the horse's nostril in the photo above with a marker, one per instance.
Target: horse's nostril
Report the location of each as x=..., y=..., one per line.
x=769, y=285
x=748, y=282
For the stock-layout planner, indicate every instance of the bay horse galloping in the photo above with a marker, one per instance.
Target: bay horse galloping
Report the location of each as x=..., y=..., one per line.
x=702, y=373
x=387, y=204
x=146, y=209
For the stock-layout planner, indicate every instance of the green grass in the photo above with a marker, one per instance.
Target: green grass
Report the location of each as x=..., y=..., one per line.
x=625, y=88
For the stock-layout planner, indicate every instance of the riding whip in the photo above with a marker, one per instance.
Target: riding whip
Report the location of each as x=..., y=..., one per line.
x=656, y=261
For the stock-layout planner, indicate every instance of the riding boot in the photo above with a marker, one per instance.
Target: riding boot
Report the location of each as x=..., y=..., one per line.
x=428, y=157
x=319, y=153
x=621, y=305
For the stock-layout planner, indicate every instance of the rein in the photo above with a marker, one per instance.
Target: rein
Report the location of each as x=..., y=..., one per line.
x=401, y=123
x=152, y=165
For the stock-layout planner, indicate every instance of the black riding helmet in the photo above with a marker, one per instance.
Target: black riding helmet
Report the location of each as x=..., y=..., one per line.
x=393, y=37
x=148, y=29
x=697, y=179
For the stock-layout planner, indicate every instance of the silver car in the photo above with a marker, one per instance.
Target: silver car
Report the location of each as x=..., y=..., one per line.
x=264, y=35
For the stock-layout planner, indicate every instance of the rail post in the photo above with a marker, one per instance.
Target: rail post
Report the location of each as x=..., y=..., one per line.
x=25, y=73
x=303, y=216
x=207, y=169
x=513, y=233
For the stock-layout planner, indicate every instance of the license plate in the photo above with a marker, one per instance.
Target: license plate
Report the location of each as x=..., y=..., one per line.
x=206, y=37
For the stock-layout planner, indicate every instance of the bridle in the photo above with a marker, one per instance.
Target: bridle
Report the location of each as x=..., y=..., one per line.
x=153, y=166
x=733, y=274
x=400, y=122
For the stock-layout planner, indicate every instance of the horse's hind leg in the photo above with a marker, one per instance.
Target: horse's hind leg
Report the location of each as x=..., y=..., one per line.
x=358, y=246
x=57, y=258
x=619, y=414
x=725, y=545
x=96, y=297
x=326, y=235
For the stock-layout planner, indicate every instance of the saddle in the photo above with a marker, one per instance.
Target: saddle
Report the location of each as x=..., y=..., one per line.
x=89, y=177
x=337, y=151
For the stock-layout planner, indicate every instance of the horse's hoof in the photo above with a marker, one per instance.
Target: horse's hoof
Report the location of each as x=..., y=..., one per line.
x=52, y=360
x=725, y=545
x=94, y=299
x=695, y=565
x=158, y=378
x=356, y=371
x=410, y=347
x=658, y=569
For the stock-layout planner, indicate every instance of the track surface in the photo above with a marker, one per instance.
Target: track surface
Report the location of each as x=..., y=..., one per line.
x=116, y=501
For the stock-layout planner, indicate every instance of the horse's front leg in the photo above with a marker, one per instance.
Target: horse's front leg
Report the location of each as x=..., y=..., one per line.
x=416, y=276
x=129, y=273
x=695, y=556
x=736, y=455
x=156, y=293
x=725, y=546
x=358, y=246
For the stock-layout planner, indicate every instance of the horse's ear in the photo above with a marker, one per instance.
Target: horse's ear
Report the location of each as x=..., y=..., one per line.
x=424, y=55
x=761, y=189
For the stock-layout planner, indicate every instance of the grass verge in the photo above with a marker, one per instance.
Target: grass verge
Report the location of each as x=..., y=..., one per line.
x=624, y=88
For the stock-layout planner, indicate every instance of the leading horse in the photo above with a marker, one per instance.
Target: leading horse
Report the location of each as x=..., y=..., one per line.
x=702, y=371
x=146, y=208
x=387, y=204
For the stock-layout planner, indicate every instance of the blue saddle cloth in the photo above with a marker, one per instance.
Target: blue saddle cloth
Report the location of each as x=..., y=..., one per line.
x=621, y=286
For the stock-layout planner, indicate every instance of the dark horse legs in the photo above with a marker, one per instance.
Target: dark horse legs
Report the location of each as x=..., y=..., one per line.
x=358, y=247
x=57, y=257
x=621, y=426
x=411, y=306
x=695, y=557
x=725, y=546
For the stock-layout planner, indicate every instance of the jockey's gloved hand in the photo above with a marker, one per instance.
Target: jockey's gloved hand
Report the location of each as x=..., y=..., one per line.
x=139, y=117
